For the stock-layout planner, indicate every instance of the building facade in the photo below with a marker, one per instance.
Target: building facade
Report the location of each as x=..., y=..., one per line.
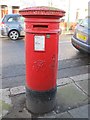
x=73, y=10
x=9, y=6
x=13, y=6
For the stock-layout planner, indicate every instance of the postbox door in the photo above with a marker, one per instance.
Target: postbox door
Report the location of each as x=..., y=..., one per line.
x=41, y=61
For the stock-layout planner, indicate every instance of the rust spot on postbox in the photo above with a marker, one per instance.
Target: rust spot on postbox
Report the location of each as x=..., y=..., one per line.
x=39, y=65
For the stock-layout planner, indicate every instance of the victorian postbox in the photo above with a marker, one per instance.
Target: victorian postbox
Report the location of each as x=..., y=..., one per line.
x=41, y=49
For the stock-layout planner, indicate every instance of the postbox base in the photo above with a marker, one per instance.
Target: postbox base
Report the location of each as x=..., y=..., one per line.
x=40, y=102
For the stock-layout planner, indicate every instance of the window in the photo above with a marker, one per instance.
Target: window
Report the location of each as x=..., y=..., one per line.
x=20, y=19
x=85, y=23
x=16, y=19
x=11, y=19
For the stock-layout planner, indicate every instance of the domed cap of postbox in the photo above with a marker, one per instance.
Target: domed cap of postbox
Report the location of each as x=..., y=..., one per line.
x=42, y=11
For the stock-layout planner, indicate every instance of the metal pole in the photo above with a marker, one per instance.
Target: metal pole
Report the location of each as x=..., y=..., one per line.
x=50, y=3
x=68, y=21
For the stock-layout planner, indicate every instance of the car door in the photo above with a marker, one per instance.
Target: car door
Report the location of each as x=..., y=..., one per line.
x=82, y=31
x=12, y=23
x=21, y=24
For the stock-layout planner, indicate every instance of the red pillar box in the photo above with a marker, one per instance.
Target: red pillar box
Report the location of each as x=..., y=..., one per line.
x=41, y=45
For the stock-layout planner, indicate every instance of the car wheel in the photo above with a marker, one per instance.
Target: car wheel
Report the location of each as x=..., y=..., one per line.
x=13, y=35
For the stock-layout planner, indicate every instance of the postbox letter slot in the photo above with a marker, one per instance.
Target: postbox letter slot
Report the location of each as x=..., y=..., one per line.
x=40, y=26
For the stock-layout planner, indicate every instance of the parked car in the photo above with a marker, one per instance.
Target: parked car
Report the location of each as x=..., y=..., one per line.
x=12, y=25
x=81, y=38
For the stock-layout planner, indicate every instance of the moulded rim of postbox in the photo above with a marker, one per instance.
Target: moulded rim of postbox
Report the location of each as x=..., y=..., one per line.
x=42, y=31
x=42, y=11
x=34, y=20
x=30, y=14
x=42, y=8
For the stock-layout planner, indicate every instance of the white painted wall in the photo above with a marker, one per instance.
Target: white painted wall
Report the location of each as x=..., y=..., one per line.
x=9, y=9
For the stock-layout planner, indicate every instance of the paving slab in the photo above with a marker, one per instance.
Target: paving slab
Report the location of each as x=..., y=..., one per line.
x=17, y=90
x=84, y=86
x=64, y=81
x=4, y=95
x=5, y=102
x=70, y=96
x=0, y=81
x=81, y=112
x=18, y=110
x=61, y=115
x=80, y=77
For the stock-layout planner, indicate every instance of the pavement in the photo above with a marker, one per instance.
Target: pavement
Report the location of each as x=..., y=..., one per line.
x=70, y=32
x=72, y=100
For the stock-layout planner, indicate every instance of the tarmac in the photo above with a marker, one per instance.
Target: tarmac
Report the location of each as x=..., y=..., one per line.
x=72, y=100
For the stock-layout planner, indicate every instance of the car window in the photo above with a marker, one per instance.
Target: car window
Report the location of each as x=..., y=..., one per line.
x=85, y=23
x=79, y=21
x=11, y=20
x=89, y=23
x=20, y=19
